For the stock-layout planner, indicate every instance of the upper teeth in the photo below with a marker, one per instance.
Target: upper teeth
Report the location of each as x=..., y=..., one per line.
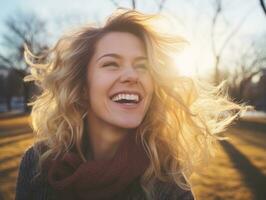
x=120, y=96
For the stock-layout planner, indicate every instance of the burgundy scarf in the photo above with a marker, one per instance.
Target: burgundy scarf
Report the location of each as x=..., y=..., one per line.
x=98, y=180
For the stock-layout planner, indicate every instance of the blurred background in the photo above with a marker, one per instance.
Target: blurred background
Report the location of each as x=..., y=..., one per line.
x=227, y=41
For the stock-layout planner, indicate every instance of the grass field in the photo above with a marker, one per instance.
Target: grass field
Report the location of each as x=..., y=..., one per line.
x=15, y=138
x=237, y=173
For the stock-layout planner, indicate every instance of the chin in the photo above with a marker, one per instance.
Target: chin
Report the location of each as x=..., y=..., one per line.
x=129, y=124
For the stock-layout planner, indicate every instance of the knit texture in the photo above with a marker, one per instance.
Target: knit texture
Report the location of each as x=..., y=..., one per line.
x=30, y=188
x=98, y=179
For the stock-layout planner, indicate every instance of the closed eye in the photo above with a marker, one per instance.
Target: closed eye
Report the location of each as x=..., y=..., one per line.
x=110, y=64
x=142, y=66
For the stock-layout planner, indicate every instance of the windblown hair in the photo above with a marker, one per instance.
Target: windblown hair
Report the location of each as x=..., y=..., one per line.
x=181, y=128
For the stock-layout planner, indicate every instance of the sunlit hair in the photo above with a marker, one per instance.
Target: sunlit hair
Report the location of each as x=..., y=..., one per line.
x=180, y=129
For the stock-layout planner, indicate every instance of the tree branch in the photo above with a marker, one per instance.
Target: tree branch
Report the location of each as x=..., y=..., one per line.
x=233, y=32
x=218, y=10
x=6, y=61
x=133, y=4
x=262, y=4
x=160, y=5
x=115, y=3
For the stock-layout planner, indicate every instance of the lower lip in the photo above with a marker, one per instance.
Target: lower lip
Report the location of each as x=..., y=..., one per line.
x=128, y=105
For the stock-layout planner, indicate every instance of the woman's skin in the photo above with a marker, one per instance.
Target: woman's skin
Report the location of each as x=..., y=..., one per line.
x=118, y=66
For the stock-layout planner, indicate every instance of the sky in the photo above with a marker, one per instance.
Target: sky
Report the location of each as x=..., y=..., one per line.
x=192, y=17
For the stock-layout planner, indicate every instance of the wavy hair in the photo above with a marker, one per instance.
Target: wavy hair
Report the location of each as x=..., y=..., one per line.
x=181, y=128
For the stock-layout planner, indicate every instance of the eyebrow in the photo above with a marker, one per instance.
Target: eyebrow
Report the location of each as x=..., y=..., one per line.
x=119, y=56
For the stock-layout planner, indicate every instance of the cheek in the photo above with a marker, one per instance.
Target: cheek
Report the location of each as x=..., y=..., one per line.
x=99, y=85
x=96, y=89
x=149, y=85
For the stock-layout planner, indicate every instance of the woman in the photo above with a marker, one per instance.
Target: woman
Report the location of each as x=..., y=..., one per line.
x=114, y=121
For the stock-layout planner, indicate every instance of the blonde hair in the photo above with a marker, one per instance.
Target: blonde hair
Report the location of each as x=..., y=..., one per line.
x=180, y=129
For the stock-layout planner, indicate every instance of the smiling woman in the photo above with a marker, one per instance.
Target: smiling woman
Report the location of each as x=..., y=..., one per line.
x=120, y=61
x=114, y=120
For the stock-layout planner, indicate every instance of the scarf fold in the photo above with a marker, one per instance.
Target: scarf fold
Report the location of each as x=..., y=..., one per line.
x=71, y=178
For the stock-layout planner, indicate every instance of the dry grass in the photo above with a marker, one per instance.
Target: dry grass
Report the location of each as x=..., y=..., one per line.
x=15, y=138
x=16, y=121
x=220, y=180
x=238, y=171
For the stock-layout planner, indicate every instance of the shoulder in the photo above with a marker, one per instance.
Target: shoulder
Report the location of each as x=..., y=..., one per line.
x=166, y=190
x=30, y=184
x=30, y=158
x=30, y=155
x=28, y=162
x=25, y=174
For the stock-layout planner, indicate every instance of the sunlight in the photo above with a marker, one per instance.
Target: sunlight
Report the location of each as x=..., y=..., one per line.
x=185, y=62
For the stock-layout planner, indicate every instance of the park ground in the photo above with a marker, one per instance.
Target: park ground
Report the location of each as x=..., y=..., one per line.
x=238, y=171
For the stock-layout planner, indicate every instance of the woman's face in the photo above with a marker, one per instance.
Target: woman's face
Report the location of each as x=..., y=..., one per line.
x=119, y=82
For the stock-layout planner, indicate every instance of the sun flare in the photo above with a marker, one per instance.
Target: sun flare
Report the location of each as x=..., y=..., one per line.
x=185, y=62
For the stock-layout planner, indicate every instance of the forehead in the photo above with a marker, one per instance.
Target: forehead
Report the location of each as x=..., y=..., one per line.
x=122, y=43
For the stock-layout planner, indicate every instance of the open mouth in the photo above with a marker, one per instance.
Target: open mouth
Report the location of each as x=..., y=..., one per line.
x=126, y=98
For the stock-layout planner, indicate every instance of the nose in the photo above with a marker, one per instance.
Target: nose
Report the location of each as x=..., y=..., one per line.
x=129, y=74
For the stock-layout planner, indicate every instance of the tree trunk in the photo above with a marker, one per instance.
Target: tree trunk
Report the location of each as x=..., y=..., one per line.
x=217, y=70
x=262, y=4
x=8, y=102
x=26, y=95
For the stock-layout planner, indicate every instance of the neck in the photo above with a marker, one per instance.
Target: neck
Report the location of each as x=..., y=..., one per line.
x=104, y=138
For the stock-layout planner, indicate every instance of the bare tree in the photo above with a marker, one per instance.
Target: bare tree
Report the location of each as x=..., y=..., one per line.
x=22, y=29
x=218, y=9
x=218, y=52
x=133, y=3
x=160, y=4
x=252, y=60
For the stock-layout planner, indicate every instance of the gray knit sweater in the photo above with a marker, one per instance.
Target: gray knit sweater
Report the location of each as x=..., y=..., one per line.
x=30, y=188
